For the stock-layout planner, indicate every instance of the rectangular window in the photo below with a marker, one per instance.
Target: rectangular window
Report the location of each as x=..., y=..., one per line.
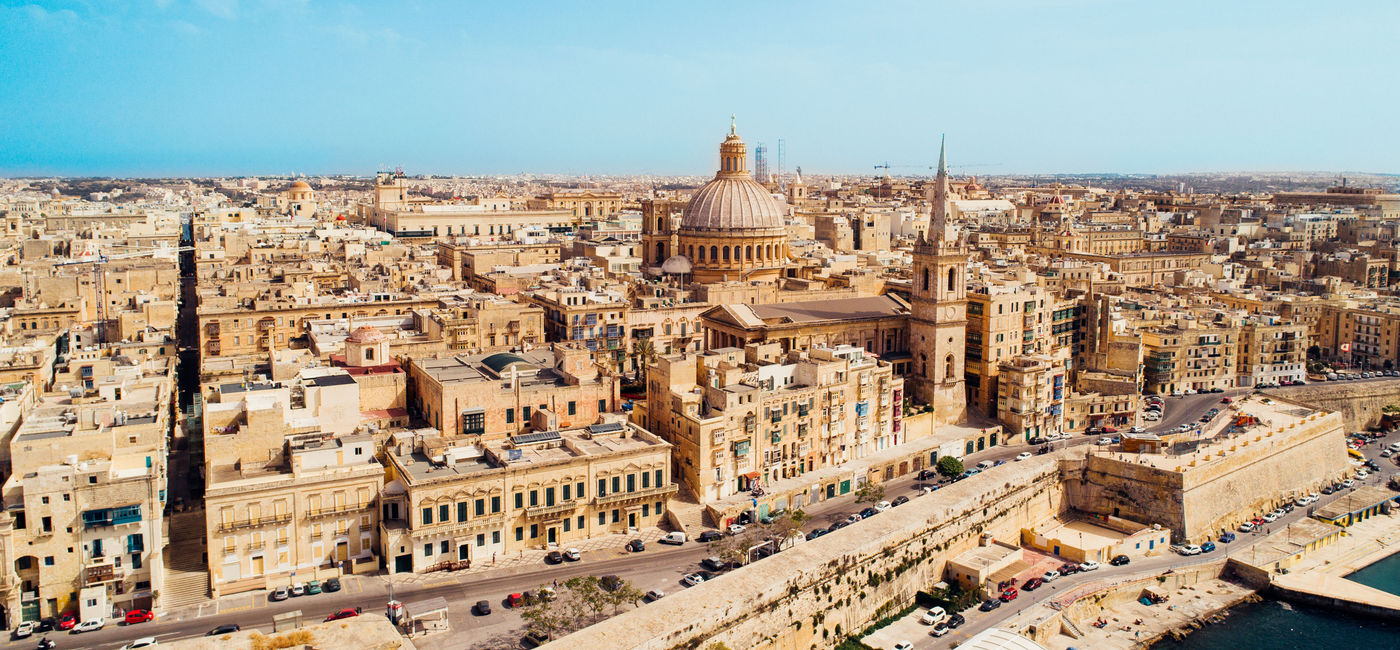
x=524, y=414
x=480, y=507
x=428, y=549
x=534, y=531
x=566, y=490
x=427, y=516
x=580, y=522
x=444, y=546
x=646, y=480
x=616, y=484
x=495, y=505
x=444, y=514
x=567, y=521
x=549, y=496
x=510, y=416
x=534, y=498
x=579, y=487
x=519, y=500
x=617, y=515
x=657, y=477
x=573, y=408
x=481, y=539
x=495, y=537
x=646, y=509
x=462, y=511
x=135, y=561
x=519, y=533
x=631, y=482
x=602, y=518
x=602, y=487
x=602, y=406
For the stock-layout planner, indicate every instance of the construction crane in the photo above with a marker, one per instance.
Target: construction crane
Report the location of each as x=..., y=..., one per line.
x=99, y=276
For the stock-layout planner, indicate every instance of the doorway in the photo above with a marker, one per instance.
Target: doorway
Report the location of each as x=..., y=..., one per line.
x=631, y=520
x=552, y=534
x=403, y=563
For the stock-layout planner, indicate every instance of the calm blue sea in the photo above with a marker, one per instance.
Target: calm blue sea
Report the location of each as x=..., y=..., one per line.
x=1273, y=624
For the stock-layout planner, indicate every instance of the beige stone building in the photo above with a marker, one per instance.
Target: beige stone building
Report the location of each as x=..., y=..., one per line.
x=291, y=485
x=394, y=211
x=740, y=418
x=451, y=503
x=505, y=393
x=1271, y=351
x=591, y=317
x=1190, y=356
x=482, y=323
x=1031, y=392
x=1006, y=318
x=585, y=205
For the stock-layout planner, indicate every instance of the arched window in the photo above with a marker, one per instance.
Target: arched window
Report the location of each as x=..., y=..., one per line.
x=726, y=253
x=953, y=279
x=659, y=228
x=948, y=368
x=660, y=252
x=738, y=254
x=714, y=254
x=702, y=253
x=691, y=248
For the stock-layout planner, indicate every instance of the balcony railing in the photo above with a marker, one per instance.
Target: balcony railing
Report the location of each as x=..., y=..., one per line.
x=99, y=573
x=330, y=511
x=253, y=522
x=621, y=497
x=546, y=511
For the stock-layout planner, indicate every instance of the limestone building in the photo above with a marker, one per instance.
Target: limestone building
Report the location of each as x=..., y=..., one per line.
x=451, y=503
x=745, y=417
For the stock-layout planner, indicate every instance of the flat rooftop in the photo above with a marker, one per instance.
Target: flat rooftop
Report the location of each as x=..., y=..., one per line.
x=1086, y=534
x=1273, y=415
x=469, y=459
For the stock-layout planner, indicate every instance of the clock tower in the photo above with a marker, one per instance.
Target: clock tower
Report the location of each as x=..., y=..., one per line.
x=938, y=305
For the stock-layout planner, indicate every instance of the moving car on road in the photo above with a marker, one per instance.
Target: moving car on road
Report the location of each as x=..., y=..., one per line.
x=143, y=642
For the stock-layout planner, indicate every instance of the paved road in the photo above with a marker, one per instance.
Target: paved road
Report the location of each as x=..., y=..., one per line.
x=659, y=567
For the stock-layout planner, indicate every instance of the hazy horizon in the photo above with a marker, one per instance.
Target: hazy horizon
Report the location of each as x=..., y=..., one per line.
x=208, y=88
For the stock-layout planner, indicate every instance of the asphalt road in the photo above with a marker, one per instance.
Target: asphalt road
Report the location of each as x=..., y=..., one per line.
x=659, y=567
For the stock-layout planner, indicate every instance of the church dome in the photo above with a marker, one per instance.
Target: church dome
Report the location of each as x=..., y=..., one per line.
x=365, y=334
x=300, y=186
x=733, y=200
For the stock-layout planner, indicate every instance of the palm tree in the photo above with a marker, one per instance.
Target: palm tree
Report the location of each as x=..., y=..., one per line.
x=643, y=355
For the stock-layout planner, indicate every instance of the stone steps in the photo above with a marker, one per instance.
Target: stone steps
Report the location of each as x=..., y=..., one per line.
x=691, y=516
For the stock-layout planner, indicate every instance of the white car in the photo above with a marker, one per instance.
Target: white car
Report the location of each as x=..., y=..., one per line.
x=655, y=595
x=1301, y=502
x=1051, y=437
x=735, y=529
x=1189, y=391
x=91, y=625
x=571, y=555
x=934, y=616
x=1348, y=483
x=692, y=579
x=24, y=631
x=1088, y=566
x=1270, y=517
x=883, y=506
x=1050, y=576
x=1025, y=455
x=1189, y=549
x=941, y=629
x=1105, y=441
x=1136, y=430
x=143, y=642
x=853, y=518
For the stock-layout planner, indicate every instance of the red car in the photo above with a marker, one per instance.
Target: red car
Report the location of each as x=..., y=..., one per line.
x=1033, y=584
x=344, y=613
x=515, y=600
x=139, y=616
x=67, y=621
x=1009, y=595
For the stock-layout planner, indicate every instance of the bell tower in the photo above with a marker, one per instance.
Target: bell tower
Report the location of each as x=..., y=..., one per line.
x=938, y=305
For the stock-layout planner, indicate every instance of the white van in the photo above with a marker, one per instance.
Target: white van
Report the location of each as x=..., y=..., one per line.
x=675, y=537
x=985, y=465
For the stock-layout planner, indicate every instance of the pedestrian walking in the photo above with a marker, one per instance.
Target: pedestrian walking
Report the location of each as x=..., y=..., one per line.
x=556, y=583
x=493, y=558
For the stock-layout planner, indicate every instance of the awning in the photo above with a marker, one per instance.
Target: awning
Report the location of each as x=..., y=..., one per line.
x=752, y=476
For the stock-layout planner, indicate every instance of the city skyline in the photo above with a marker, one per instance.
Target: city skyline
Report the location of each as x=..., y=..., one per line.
x=149, y=89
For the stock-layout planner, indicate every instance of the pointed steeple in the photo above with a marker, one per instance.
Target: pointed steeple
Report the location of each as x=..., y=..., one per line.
x=938, y=224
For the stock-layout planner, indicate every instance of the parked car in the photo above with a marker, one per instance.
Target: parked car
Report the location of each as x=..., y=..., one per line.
x=23, y=630
x=280, y=593
x=571, y=555
x=1207, y=547
x=298, y=589
x=1032, y=584
x=816, y=533
x=636, y=546
x=904, y=645
x=344, y=613
x=1187, y=549
x=735, y=529
x=331, y=586
x=940, y=629
x=1270, y=517
x=1088, y=566
x=926, y=475
x=1105, y=441
x=712, y=563
x=883, y=506
x=313, y=587
x=1069, y=568
x=90, y=625
x=989, y=604
x=610, y=582
x=674, y=537
x=1050, y=576
x=868, y=513
x=1119, y=560
x=515, y=600
x=709, y=536
x=900, y=500
x=654, y=595
x=534, y=639
x=67, y=621
x=483, y=608
x=138, y=616
x=955, y=621
x=692, y=579
x=853, y=518
x=1009, y=594
x=226, y=628
x=1226, y=538
x=553, y=557
x=934, y=616
x=143, y=642
x=1025, y=455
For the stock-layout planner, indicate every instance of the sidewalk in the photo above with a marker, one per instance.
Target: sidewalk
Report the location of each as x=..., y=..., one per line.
x=607, y=546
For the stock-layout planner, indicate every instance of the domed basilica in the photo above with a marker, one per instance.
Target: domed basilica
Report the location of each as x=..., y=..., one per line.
x=732, y=228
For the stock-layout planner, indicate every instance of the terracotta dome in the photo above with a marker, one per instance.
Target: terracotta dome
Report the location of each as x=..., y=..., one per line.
x=300, y=186
x=365, y=334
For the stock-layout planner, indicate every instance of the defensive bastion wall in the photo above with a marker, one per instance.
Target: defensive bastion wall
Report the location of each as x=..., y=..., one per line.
x=1359, y=403
x=817, y=592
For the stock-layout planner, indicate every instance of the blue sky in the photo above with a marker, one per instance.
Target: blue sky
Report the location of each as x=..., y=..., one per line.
x=199, y=87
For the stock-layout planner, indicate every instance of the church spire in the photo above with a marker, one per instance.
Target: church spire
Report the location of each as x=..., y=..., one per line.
x=938, y=226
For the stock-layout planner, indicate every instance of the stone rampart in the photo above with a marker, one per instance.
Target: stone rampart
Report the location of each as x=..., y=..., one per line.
x=1358, y=402
x=816, y=593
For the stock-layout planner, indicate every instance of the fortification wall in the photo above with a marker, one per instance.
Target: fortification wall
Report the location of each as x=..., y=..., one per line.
x=1359, y=403
x=817, y=592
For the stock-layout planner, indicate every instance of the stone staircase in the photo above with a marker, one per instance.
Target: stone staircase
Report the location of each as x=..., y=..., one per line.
x=688, y=516
x=186, y=573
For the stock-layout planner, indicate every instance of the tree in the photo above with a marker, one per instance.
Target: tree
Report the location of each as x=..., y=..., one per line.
x=548, y=617
x=732, y=549
x=622, y=594
x=789, y=524
x=643, y=355
x=870, y=492
x=950, y=466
